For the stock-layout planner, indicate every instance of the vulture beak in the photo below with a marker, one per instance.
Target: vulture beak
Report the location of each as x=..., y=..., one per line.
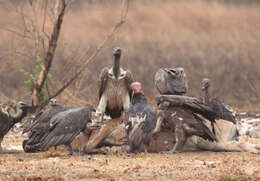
x=117, y=51
x=23, y=105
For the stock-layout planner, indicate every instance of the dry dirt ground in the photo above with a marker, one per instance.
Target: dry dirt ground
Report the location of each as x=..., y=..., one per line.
x=17, y=165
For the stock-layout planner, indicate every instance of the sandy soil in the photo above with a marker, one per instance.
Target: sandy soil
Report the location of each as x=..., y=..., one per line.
x=17, y=165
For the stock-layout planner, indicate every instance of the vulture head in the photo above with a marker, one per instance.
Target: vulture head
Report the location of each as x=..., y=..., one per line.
x=23, y=106
x=20, y=110
x=137, y=88
x=116, y=68
x=117, y=51
x=205, y=84
x=205, y=88
x=53, y=102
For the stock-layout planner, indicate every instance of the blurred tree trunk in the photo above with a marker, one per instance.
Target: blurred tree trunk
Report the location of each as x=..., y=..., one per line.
x=49, y=55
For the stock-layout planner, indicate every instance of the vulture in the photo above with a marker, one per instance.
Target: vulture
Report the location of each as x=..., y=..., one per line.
x=65, y=126
x=114, y=88
x=53, y=102
x=40, y=124
x=10, y=114
x=184, y=123
x=171, y=81
x=140, y=120
x=222, y=112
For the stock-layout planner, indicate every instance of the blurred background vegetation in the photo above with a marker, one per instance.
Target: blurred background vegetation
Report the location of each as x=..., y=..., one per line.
x=218, y=39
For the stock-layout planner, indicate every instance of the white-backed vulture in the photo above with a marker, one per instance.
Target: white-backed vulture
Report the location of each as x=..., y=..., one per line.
x=114, y=88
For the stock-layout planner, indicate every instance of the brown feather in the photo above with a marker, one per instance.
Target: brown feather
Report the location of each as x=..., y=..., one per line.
x=103, y=81
x=129, y=80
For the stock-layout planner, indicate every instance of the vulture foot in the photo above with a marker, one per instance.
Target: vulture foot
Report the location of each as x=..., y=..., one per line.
x=177, y=148
x=180, y=140
x=69, y=147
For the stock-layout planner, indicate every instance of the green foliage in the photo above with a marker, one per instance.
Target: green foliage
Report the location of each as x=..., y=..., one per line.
x=31, y=78
x=228, y=178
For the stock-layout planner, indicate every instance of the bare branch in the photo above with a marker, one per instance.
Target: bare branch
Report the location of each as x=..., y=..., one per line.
x=49, y=55
x=16, y=33
x=124, y=11
x=35, y=9
x=44, y=20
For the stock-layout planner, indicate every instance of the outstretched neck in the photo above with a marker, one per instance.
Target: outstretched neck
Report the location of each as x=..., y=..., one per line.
x=207, y=96
x=16, y=112
x=138, y=98
x=116, y=67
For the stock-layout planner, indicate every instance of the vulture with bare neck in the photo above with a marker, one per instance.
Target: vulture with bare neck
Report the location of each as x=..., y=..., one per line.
x=222, y=112
x=114, y=88
x=216, y=105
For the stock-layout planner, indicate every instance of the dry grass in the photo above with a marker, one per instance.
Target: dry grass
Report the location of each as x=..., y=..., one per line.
x=216, y=40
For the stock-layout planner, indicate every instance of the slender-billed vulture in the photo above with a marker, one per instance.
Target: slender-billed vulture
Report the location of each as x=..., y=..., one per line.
x=114, y=88
x=171, y=81
x=10, y=114
x=65, y=126
x=40, y=124
x=222, y=112
x=140, y=120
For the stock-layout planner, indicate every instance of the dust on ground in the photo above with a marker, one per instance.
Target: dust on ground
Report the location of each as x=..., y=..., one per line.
x=17, y=165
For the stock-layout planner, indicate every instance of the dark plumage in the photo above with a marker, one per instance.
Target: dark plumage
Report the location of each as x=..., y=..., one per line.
x=65, y=126
x=185, y=124
x=222, y=112
x=10, y=114
x=171, y=81
x=140, y=120
x=41, y=124
x=114, y=88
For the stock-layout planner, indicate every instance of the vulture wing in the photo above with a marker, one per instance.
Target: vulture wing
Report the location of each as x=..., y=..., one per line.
x=222, y=111
x=42, y=124
x=103, y=81
x=190, y=103
x=6, y=122
x=129, y=80
x=208, y=133
x=140, y=123
x=64, y=127
x=43, y=118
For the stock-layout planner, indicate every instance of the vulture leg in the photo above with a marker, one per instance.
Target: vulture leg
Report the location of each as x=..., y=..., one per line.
x=158, y=124
x=180, y=138
x=127, y=102
x=146, y=148
x=69, y=147
x=101, y=109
